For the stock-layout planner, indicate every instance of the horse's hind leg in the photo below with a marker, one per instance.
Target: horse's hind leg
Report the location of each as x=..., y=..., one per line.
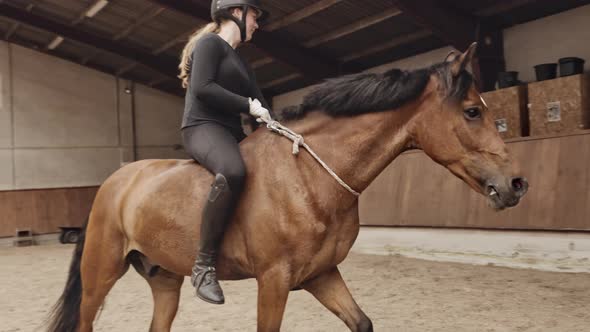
x=166, y=292
x=331, y=291
x=102, y=265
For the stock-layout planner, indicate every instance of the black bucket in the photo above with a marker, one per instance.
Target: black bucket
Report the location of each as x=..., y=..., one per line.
x=507, y=79
x=546, y=71
x=570, y=66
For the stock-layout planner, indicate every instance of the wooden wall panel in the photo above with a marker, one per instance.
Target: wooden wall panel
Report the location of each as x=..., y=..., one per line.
x=44, y=210
x=414, y=191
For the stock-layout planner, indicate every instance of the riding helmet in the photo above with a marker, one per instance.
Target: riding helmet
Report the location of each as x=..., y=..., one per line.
x=220, y=9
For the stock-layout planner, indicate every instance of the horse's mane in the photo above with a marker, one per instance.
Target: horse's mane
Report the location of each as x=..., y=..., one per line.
x=374, y=92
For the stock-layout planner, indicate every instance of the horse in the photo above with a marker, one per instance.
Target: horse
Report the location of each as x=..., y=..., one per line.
x=294, y=223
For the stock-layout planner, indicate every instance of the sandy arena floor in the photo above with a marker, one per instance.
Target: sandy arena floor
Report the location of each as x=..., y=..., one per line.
x=398, y=294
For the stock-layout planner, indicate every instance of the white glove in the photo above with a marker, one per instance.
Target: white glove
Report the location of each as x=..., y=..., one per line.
x=260, y=113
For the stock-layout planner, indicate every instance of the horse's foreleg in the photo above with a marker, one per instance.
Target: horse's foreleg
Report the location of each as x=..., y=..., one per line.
x=273, y=290
x=331, y=291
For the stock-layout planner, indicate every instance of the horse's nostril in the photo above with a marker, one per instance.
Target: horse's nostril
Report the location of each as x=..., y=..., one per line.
x=519, y=184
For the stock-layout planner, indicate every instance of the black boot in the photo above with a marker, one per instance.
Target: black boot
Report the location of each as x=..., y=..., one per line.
x=216, y=213
x=204, y=278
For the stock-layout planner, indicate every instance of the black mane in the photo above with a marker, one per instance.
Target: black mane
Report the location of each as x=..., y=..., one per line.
x=370, y=92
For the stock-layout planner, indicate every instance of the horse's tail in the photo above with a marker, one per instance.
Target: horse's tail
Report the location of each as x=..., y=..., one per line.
x=65, y=314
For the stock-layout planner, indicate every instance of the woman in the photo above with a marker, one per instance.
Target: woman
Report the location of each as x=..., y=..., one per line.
x=219, y=86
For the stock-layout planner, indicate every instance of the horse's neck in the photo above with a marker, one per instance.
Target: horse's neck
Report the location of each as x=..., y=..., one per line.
x=357, y=148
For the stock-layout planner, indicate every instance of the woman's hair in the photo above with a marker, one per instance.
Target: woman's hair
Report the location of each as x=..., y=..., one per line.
x=186, y=60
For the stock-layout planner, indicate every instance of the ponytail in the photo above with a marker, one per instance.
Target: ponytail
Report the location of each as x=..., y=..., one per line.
x=186, y=59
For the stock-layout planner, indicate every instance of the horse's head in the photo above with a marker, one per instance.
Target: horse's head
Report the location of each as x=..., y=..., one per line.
x=455, y=128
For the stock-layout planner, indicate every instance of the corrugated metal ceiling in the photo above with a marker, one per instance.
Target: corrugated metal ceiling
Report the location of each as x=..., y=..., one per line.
x=152, y=30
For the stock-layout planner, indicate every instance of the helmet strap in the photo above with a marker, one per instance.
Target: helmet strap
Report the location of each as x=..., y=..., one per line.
x=241, y=23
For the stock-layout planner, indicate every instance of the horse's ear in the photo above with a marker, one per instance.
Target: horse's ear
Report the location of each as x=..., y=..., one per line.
x=451, y=56
x=460, y=63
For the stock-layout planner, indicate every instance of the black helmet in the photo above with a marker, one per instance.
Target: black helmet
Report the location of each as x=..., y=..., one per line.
x=220, y=9
x=219, y=5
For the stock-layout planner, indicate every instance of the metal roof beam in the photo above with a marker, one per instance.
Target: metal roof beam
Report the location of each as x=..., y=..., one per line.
x=277, y=47
x=353, y=27
x=176, y=40
x=84, y=14
x=451, y=26
x=166, y=66
x=279, y=81
x=300, y=15
x=157, y=81
x=503, y=6
x=160, y=49
x=149, y=15
x=16, y=25
x=339, y=33
x=395, y=42
x=261, y=62
x=144, y=18
x=175, y=90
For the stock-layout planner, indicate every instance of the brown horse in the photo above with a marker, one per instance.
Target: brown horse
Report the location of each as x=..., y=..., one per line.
x=295, y=223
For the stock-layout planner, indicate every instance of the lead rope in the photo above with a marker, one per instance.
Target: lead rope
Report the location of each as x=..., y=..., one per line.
x=297, y=139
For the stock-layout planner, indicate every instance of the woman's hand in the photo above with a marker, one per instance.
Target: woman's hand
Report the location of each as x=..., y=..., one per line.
x=258, y=111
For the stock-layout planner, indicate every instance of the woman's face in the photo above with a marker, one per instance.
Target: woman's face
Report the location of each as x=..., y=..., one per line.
x=251, y=17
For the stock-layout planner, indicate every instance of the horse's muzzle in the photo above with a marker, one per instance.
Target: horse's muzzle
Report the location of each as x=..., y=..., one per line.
x=507, y=193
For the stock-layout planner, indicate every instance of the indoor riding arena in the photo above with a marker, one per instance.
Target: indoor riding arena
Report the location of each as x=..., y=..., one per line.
x=481, y=223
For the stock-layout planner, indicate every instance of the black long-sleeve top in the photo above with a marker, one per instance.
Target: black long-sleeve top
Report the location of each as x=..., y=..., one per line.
x=219, y=86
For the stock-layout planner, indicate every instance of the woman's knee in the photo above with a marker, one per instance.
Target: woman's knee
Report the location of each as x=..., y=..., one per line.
x=235, y=175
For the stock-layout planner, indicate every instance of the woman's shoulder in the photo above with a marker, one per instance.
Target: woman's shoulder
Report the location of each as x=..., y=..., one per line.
x=210, y=41
x=210, y=35
x=213, y=38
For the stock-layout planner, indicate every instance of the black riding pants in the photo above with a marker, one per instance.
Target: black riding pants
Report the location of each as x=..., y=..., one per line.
x=216, y=148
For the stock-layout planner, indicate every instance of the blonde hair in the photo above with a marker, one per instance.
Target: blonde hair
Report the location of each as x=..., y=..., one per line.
x=186, y=59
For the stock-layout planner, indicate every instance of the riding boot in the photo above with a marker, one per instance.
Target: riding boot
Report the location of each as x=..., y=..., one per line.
x=204, y=279
x=217, y=211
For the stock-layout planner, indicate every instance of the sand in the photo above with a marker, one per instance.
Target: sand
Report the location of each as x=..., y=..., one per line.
x=397, y=293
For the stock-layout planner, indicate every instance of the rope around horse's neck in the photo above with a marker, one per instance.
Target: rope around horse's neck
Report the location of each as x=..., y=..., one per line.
x=297, y=142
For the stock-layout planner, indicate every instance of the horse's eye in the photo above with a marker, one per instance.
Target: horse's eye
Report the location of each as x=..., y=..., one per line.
x=472, y=113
